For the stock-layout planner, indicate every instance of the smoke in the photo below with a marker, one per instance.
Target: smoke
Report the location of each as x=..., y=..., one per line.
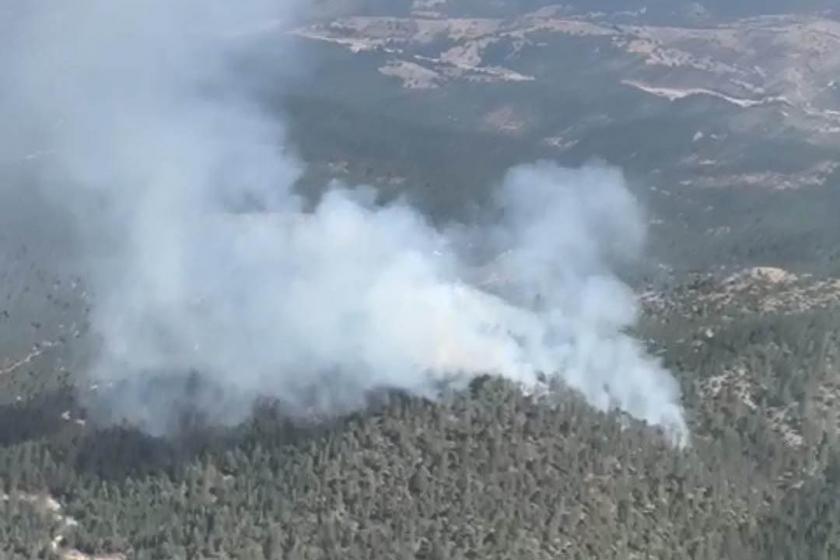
x=203, y=258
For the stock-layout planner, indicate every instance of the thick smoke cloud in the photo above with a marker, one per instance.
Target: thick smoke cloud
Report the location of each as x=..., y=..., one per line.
x=203, y=258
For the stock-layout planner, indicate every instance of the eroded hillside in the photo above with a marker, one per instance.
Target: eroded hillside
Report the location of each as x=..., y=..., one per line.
x=771, y=77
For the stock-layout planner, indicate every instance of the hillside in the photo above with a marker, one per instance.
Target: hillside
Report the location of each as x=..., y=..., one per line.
x=758, y=355
x=725, y=120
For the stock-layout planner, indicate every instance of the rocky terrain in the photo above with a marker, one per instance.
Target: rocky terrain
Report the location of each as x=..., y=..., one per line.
x=764, y=338
x=767, y=78
x=749, y=63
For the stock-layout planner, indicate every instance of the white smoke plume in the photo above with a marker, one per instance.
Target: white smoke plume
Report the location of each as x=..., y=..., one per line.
x=152, y=145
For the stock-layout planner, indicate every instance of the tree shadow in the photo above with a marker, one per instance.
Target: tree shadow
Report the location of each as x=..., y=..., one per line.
x=90, y=442
x=35, y=418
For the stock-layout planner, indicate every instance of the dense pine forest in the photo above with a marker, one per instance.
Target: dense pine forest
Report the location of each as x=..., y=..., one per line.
x=486, y=472
x=219, y=201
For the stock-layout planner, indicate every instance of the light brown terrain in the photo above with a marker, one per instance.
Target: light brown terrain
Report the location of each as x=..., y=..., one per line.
x=782, y=64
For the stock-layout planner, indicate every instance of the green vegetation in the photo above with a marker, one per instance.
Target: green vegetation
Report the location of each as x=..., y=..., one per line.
x=488, y=472
x=484, y=473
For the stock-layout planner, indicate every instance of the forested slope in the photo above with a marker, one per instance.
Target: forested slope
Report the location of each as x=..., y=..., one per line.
x=484, y=473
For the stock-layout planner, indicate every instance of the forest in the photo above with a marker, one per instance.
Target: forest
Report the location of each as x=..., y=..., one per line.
x=485, y=472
